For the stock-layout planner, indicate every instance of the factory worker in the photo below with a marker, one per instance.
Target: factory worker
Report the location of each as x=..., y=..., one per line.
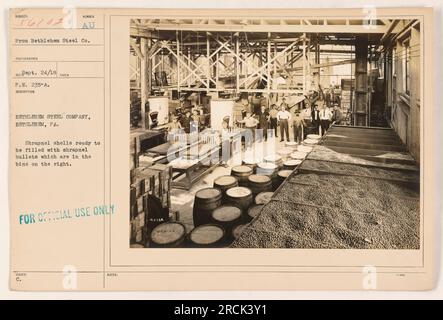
x=273, y=122
x=298, y=125
x=175, y=125
x=263, y=119
x=187, y=122
x=194, y=124
x=328, y=98
x=337, y=115
x=283, y=118
x=250, y=125
x=325, y=119
x=284, y=104
x=226, y=143
x=315, y=116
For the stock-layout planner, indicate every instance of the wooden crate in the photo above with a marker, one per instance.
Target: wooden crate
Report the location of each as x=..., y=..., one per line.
x=156, y=181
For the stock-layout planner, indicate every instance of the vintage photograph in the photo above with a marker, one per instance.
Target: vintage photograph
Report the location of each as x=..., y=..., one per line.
x=274, y=133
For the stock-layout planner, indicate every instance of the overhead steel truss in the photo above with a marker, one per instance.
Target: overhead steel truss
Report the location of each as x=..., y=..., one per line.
x=227, y=58
x=270, y=24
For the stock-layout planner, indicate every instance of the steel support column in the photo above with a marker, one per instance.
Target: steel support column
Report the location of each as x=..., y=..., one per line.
x=361, y=81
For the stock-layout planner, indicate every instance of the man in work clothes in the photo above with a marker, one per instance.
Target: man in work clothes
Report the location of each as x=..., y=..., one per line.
x=325, y=119
x=175, y=125
x=273, y=119
x=187, y=122
x=263, y=119
x=226, y=144
x=250, y=125
x=328, y=98
x=284, y=104
x=337, y=115
x=298, y=124
x=315, y=116
x=283, y=118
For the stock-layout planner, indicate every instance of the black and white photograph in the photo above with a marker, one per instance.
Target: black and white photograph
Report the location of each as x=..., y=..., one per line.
x=275, y=133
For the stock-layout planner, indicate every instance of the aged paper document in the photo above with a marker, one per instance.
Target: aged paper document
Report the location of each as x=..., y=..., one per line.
x=222, y=149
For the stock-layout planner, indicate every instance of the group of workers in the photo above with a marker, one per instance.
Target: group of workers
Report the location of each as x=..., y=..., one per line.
x=268, y=120
x=330, y=97
x=283, y=118
x=322, y=118
x=189, y=121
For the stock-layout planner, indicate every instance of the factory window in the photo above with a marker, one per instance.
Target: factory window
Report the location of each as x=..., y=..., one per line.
x=406, y=58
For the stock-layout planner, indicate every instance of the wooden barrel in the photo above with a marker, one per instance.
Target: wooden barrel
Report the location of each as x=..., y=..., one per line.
x=168, y=235
x=313, y=136
x=270, y=170
x=237, y=230
x=263, y=197
x=274, y=158
x=267, y=169
x=207, y=236
x=227, y=217
x=241, y=173
x=306, y=149
x=310, y=142
x=298, y=155
x=252, y=163
x=284, y=153
x=240, y=197
x=291, y=144
x=282, y=175
x=259, y=183
x=224, y=183
x=291, y=164
x=206, y=200
x=254, y=211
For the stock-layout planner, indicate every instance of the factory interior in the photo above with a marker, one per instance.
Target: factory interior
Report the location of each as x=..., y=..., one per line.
x=274, y=133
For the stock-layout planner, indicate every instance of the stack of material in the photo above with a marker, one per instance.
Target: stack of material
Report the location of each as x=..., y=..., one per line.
x=154, y=181
x=134, y=150
x=358, y=188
